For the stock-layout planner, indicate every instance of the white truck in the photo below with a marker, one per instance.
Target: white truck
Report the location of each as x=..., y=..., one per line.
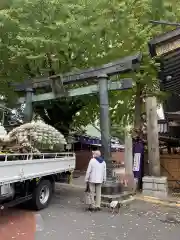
x=25, y=177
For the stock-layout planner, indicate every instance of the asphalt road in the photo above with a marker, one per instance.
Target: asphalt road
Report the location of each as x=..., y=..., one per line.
x=66, y=219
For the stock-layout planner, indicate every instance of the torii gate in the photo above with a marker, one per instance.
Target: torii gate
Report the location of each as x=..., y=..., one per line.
x=100, y=75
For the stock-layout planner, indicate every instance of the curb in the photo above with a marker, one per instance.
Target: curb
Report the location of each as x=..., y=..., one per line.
x=124, y=199
x=123, y=196
x=123, y=202
x=155, y=200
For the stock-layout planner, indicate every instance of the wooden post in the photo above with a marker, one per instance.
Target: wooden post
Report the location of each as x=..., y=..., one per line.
x=152, y=136
x=128, y=153
x=129, y=176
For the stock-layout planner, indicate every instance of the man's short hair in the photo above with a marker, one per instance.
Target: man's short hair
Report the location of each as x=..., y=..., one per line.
x=96, y=153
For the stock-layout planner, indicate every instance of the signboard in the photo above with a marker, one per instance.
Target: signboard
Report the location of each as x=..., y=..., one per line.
x=165, y=43
x=167, y=47
x=138, y=155
x=136, y=163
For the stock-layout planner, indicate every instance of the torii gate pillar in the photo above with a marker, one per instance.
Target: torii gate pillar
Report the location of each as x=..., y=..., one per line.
x=28, y=111
x=104, y=116
x=111, y=187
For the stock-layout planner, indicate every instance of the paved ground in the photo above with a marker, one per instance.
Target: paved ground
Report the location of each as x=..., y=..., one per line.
x=65, y=218
x=17, y=224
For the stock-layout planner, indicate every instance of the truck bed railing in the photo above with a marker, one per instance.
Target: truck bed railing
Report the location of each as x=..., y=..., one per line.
x=34, y=156
x=21, y=167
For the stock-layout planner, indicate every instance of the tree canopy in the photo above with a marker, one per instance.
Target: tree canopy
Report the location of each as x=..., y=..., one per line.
x=42, y=37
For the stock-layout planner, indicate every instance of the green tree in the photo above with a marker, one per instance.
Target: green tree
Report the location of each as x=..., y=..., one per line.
x=42, y=37
x=129, y=31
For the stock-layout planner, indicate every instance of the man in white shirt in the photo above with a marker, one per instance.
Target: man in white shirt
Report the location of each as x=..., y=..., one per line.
x=95, y=176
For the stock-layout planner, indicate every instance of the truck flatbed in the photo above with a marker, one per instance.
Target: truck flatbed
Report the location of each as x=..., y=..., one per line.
x=21, y=167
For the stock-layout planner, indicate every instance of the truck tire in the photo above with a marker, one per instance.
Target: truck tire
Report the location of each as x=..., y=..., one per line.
x=42, y=194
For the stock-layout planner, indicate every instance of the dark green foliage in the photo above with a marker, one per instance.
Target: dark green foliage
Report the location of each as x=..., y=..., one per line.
x=42, y=37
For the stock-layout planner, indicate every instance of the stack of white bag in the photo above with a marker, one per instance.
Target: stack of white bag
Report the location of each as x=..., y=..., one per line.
x=38, y=135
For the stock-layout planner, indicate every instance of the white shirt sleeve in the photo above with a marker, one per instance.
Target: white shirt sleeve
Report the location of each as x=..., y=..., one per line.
x=88, y=172
x=104, y=177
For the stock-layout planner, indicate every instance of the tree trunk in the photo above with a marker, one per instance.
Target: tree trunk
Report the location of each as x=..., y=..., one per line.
x=28, y=70
x=138, y=108
x=152, y=136
x=50, y=65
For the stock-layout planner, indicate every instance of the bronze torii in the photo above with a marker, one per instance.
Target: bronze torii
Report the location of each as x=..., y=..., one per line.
x=91, y=75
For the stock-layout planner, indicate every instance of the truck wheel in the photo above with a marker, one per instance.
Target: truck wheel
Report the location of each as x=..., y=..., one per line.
x=42, y=194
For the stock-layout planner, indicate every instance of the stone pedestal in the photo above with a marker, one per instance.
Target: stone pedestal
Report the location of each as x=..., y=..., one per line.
x=118, y=181
x=155, y=186
x=111, y=188
x=114, y=191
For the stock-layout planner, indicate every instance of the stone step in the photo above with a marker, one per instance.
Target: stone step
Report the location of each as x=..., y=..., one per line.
x=121, y=201
x=117, y=197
